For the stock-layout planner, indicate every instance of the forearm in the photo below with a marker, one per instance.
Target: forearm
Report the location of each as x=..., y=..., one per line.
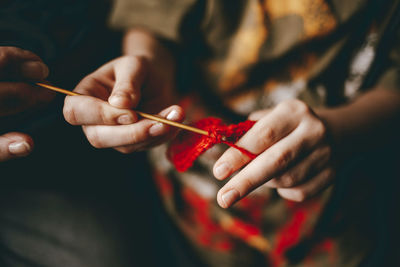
x=160, y=62
x=141, y=42
x=370, y=121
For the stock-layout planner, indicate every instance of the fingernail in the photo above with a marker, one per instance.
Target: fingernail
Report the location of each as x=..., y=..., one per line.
x=156, y=129
x=173, y=115
x=34, y=70
x=19, y=148
x=221, y=170
x=229, y=197
x=125, y=119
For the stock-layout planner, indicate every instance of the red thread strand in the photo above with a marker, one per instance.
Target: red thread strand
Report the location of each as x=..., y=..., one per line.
x=241, y=149
x=187, y=147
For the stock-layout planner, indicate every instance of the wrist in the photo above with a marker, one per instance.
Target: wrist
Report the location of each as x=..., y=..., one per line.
x=140, y=42
x=334, y=132
x=365, y=124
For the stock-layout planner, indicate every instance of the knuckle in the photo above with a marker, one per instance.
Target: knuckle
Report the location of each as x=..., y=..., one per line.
x=287, y=180
x=91, y=85
x=247, y=184
x=320, y=129
x=301, y=107
x=125, y=88
x=268, y=133
x=88, y=81
x=273, y=183
x=330, y=172
x=130, y=58
x=4, y=55
x=93, y=137
x=104, y=116
x=265, y=136
x=69, y=114
x=138, y=60
x=133, y=138
x=295, y=106
x=326, y=152
x=283, y=159
x=137, y=137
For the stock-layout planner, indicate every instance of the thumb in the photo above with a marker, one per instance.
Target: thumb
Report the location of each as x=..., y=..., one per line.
x=14, y=145
x=130, y=73
x=17, y=63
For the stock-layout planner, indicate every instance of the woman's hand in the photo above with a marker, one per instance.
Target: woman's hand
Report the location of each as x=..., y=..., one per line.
x=294, y=156
x=18, y=67
x=143, y=79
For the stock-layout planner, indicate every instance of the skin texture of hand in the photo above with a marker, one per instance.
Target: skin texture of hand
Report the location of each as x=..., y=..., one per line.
x=294, y=153
x=17, y=66
x=139, y=80
x=13, y=145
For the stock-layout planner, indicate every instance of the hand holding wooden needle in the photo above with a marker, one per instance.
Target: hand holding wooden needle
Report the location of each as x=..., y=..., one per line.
x=144, y=115
x=107, y=99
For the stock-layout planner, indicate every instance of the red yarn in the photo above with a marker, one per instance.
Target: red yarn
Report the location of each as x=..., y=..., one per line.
x=187, y=147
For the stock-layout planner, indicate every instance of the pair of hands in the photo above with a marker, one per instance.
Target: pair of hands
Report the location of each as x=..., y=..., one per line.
x=294, y=155
x=17, y=68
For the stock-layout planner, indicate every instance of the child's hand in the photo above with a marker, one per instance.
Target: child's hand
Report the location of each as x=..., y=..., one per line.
x=111, y=92
x=293, y=155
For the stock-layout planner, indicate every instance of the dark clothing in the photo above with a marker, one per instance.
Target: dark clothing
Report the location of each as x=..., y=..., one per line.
x=69, y=36
x=68, y=204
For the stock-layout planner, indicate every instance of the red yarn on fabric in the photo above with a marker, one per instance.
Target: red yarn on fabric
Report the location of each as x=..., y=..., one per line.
x=188, y=146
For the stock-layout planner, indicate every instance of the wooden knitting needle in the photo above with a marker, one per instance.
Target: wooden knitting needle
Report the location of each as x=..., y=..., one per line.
x=144, y=115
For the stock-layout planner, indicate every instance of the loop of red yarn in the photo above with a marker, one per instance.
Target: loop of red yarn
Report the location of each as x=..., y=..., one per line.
x=187, y=146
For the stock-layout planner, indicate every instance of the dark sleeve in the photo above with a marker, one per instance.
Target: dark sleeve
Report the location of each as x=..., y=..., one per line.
x=47, y=28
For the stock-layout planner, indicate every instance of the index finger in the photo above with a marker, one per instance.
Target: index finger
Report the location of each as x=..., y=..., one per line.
x=268, y=164
x=267, y=131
